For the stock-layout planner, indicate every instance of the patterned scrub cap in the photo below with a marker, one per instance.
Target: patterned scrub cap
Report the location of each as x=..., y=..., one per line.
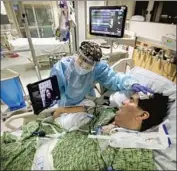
x=90, y=50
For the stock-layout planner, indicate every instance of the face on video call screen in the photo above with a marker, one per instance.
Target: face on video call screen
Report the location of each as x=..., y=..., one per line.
x=44, y=94
x=107, y=22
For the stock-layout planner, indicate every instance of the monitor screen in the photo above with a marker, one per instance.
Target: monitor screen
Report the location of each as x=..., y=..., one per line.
x=44, y=94
x=108, y=21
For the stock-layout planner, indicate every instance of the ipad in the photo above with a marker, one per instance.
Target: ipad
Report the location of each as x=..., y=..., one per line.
x=44, y=94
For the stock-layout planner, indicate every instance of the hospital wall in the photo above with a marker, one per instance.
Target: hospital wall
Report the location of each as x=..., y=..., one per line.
x=130, y=4
x=148, y=30
x=152, y=31
x=93, y=3
x=81, y=19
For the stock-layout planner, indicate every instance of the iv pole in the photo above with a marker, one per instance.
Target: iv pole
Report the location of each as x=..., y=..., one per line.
x=28, y=34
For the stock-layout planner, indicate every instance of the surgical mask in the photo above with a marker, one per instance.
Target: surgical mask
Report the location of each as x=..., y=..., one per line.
x=80, y=70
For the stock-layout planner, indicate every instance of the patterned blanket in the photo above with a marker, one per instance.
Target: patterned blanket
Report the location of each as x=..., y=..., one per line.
x=74, y=151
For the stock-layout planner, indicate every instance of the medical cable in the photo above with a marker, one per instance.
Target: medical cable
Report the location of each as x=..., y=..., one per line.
x=96, y=155
x=41, y=134
x=91, y=131
x=113, y=45
x=97, y=132
x=149, y=58
x=23, y=150
x=160, y=56
x=110, y=167
x=167, y=74
x=145, y=59
x=96, y=149
x=141, y=53
x=54, y=130
x=119, y=129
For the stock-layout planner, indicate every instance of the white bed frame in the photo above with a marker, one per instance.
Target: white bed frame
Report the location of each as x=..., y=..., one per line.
x=123, y=65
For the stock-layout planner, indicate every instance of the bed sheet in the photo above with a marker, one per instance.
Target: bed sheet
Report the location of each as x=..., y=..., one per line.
x=42, y=46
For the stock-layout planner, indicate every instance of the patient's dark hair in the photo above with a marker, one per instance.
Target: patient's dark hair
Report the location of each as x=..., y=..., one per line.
x=157, y=108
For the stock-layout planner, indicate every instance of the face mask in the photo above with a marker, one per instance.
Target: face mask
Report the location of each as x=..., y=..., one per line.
x=80, y=70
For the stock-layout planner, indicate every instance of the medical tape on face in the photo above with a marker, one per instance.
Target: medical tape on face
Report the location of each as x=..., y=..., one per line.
x=87, y=59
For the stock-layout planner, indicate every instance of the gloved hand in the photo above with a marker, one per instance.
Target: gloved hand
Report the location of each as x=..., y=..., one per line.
x=137, y=88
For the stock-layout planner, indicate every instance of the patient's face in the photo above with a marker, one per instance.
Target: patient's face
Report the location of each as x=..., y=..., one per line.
x=128, y=112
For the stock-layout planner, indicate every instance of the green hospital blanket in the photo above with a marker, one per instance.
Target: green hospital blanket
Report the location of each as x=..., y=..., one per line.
x=18, y=154
x=74, y=151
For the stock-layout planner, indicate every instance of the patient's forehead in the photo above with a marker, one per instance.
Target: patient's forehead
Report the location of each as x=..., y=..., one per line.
x=135, y=97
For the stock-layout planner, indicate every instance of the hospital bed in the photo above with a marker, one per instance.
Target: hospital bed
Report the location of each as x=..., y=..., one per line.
x=42, y=46
x=164, y=159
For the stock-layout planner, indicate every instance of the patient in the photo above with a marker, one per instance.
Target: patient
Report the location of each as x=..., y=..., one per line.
x=134, y=114
x=140, y=115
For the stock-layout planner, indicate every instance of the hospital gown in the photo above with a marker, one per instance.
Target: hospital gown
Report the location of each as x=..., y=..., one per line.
x=74, y=87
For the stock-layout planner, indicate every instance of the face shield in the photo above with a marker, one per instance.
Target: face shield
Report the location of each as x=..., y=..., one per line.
x=89, y=54
x=83, y=65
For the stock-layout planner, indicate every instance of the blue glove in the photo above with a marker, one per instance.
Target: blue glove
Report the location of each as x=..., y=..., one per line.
x=137, y=88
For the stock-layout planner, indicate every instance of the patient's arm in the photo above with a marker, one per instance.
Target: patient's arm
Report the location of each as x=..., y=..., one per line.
x=70, y=110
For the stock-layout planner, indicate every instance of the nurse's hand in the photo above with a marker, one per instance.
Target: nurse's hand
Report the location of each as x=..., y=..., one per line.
x=137, y=88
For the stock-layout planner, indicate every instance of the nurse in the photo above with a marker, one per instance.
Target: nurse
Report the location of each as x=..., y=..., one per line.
x=78, y=74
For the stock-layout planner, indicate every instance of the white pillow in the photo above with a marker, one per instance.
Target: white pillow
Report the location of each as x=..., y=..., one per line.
x=147, y=78
x=163, y=158
x=157, y=83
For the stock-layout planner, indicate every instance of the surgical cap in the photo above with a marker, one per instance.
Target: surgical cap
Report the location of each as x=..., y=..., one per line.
x=90, y=50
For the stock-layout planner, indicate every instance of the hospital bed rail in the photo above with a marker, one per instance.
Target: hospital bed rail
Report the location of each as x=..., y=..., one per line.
x=123, y=65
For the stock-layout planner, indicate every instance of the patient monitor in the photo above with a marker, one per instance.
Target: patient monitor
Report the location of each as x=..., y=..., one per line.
x=108, y=21
x=44, y=94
